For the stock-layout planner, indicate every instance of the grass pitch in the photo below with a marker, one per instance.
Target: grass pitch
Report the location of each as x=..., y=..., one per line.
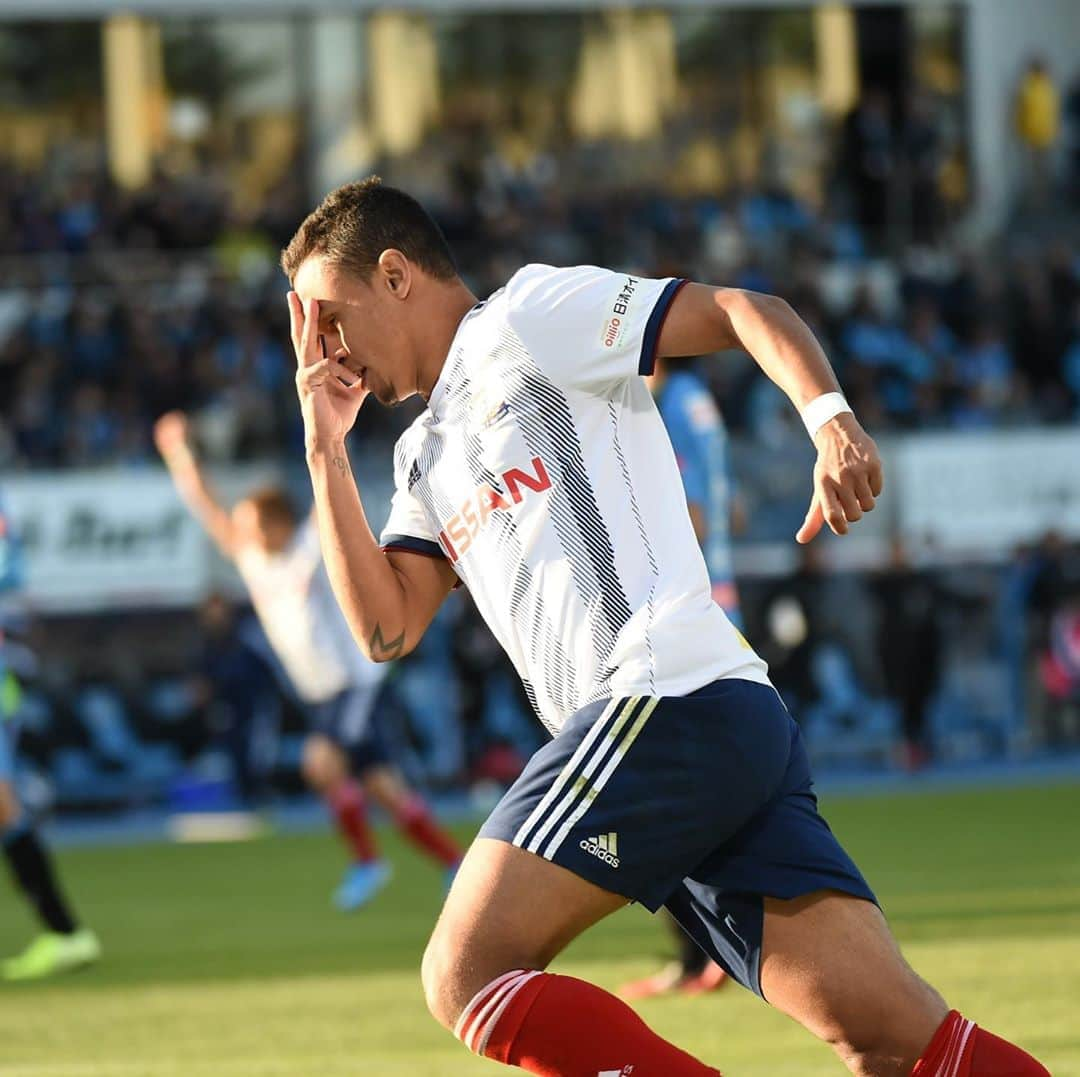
x=229, y=961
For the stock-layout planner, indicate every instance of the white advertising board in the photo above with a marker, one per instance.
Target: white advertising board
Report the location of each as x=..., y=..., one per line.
x=99, y=539
x=986, y=493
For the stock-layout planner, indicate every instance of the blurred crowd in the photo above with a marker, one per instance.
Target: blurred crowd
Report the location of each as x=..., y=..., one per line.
x=913, y=661
x=891, y=669
x=117, y=306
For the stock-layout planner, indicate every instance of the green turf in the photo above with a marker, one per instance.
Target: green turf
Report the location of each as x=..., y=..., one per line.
x=228, y=960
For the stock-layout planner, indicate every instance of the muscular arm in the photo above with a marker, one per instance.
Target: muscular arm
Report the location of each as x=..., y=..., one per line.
x=703, y=319
x=389, y=597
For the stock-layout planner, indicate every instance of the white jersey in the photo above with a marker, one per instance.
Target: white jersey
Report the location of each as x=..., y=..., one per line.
x=542, y=471
x=295, y=604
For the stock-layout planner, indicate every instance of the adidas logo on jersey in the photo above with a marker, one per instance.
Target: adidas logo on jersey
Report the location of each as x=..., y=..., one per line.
x=626, y=1071
x=605, y=847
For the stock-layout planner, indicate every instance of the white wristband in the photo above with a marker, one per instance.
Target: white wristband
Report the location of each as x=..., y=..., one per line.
x=821, y=409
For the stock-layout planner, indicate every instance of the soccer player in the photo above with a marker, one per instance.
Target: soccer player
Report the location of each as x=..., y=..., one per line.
x=541, y=477
x=63, y=945
x=345, y=760
x=699, y=439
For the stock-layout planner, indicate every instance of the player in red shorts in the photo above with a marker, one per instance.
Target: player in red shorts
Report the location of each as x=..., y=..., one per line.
x=540, y=476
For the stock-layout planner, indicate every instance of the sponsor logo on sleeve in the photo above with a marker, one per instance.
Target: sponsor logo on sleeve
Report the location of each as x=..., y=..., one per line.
x=615, y=326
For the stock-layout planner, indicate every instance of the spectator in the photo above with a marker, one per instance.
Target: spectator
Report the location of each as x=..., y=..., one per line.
x=235, y=686
x=923, y=152
x=909, y=646
x=1037, y=124
x=869, y=162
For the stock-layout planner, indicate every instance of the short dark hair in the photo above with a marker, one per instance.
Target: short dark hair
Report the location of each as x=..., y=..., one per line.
x=272, y=503
x=353, y=225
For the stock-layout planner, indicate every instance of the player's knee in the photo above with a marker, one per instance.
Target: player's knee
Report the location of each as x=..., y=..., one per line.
x=453, y=973
x=442, y=975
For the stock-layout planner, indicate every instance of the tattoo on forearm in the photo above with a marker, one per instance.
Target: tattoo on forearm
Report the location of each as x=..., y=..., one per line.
x=340, y=463
x=386, y=649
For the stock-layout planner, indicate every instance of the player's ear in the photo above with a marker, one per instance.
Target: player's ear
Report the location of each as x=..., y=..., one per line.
x=396, y=272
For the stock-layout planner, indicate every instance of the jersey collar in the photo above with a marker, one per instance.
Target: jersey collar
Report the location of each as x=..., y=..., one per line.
x=442, y=382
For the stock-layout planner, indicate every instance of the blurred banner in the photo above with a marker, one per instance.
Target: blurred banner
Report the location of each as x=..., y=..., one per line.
x=101, y=540
x=986, y=493
x=98, y=540
x=94, y=540
x=121, y=539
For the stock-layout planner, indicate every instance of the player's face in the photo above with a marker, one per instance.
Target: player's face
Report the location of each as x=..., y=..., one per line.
x=363, y=325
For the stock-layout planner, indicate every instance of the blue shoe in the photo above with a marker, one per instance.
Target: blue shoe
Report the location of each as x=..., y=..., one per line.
x=361, y=883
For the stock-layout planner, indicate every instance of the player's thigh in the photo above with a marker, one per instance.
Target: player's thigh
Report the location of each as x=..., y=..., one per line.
x=385, y=785
x=830, y=961
x=507, y=909
x=324, y=762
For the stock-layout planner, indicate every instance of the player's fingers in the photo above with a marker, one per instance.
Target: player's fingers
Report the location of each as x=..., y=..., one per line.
x=849, y=503
x=310, y=349
x=342, y=374
x=296, y=322
x=864, y=494
x=312, y=376
x=812, y=524
x=832, y=509
x=877, y=478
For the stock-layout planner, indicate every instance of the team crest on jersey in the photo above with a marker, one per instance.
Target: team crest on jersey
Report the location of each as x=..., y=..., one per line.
x=486, y=408
x=496, y=413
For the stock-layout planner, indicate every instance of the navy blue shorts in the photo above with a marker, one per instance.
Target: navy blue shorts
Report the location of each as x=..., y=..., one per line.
x=702, y=803
x=351, y=720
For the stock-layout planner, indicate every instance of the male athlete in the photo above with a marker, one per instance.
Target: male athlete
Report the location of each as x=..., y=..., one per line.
x=540, y=476
x=344, y=757
x=699, y=440
x=62, y=945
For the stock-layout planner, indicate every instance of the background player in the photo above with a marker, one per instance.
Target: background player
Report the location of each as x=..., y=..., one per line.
x=699, y=438
x=63, y=945
x=344, y=757
x=540, y=475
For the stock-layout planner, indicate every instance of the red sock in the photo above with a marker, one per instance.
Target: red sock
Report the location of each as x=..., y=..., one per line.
x=346, y=802
x=961, y=1049
x=557, y=1026
x=417, y=822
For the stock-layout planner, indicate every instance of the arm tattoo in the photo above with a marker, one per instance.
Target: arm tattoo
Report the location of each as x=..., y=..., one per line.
x=340, y=463
x=385, y=649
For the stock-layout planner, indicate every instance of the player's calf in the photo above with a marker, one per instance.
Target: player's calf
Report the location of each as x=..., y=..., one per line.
x=832, y=964
x=508, y=914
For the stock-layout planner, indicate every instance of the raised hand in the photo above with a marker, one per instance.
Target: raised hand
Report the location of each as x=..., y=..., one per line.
x=171, y=433
x=330, y=394
x=847, y=477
